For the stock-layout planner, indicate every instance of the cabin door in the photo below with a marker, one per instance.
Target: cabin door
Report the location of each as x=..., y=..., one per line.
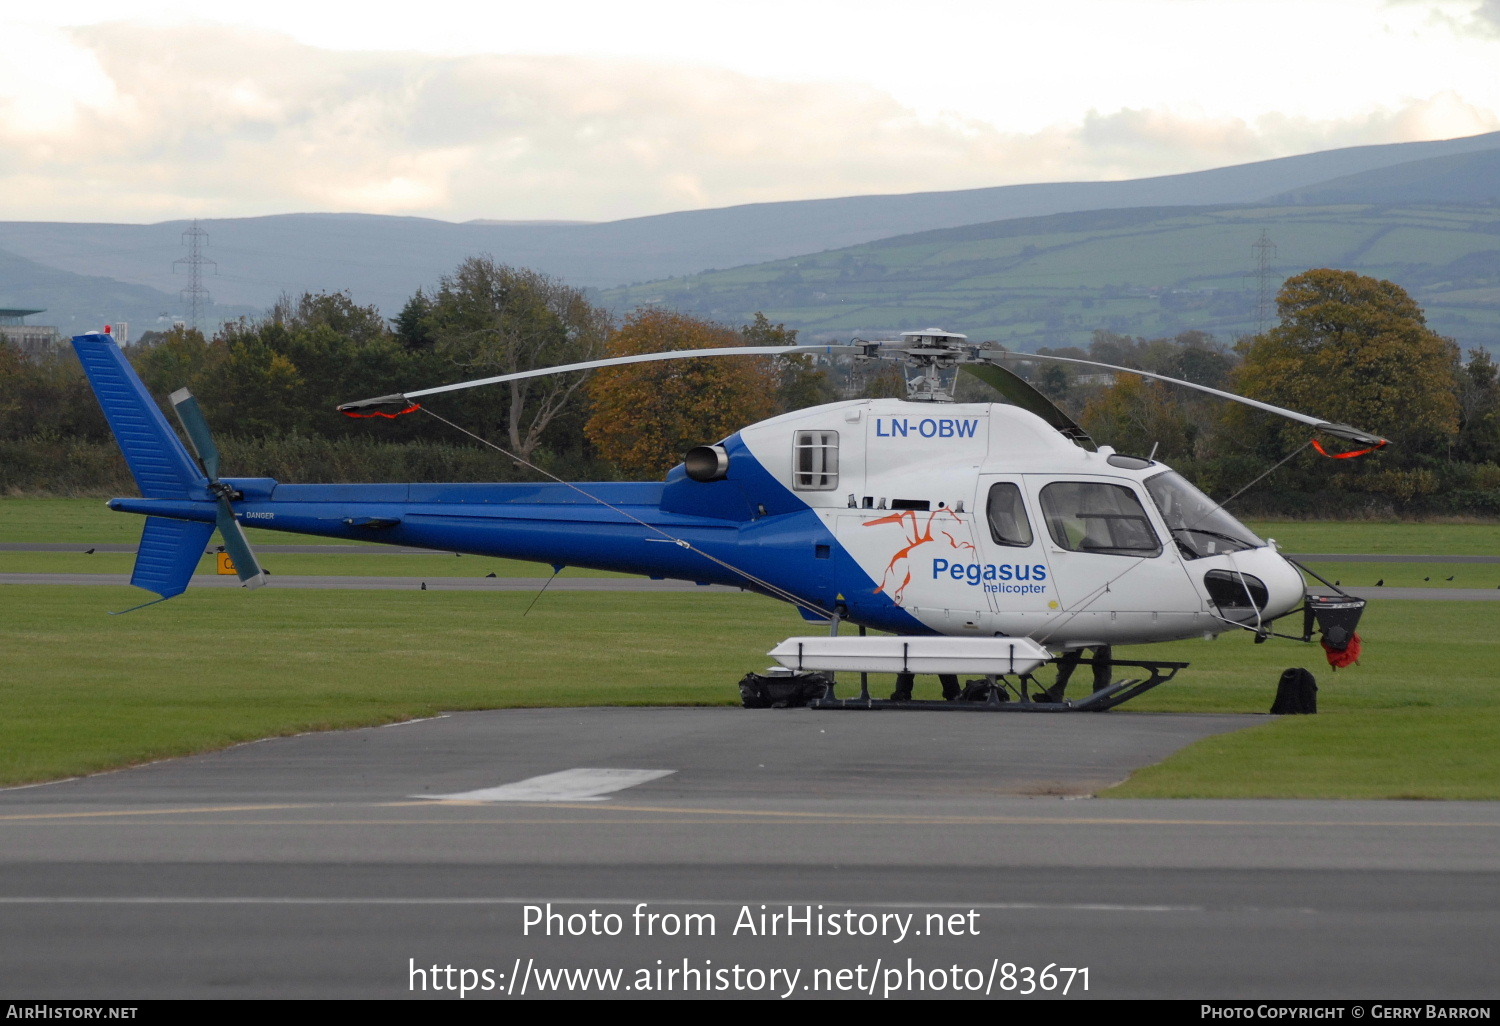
x=1104, y=550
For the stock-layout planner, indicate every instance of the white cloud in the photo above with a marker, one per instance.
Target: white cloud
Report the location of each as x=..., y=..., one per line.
x=157, y=121
x=1486, y=16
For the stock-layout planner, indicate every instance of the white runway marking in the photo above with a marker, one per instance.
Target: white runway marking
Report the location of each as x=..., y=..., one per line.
x=574, y=785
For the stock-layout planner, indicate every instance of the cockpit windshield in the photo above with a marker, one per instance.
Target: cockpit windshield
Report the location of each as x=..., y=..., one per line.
x=1199, y=527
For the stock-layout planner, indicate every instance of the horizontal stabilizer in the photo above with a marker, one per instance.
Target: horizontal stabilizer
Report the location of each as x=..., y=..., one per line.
x=911, y=655
x=169, y=553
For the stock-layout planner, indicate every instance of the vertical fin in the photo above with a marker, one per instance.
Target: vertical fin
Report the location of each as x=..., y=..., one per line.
x=160, y=464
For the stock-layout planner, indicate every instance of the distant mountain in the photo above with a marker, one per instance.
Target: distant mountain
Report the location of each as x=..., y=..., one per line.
x=1052, y=280
x=1467, y=178
x=383, y=260
x=490, y=221
x=75, y=303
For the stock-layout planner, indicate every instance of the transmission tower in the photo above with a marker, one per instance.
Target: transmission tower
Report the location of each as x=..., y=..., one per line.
x=195, y=297
x=1265, y=252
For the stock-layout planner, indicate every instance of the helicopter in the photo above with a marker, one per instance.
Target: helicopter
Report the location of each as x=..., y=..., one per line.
x=978, y=538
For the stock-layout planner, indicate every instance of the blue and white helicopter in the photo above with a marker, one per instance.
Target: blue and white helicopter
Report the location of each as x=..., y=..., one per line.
x=979, y=538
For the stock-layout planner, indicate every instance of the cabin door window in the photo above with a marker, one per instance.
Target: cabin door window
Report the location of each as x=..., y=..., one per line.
x=1006, y=512
x=1091, y=516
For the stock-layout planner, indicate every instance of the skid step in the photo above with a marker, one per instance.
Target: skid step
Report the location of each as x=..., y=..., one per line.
x=1022, y=693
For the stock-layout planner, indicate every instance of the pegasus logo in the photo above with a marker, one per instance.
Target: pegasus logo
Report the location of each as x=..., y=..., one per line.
x=917, y=535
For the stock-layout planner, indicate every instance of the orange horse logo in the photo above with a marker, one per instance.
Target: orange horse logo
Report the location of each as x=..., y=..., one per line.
x=916, y=537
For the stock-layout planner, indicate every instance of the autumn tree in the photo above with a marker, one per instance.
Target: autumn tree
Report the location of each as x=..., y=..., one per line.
x=490, y=319
x=646, y=415
x=1140, y=416
x=800, y=382
x=1356, y=350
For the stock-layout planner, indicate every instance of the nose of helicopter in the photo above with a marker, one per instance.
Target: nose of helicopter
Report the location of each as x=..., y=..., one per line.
x=1285, y=587
x=1254, y=586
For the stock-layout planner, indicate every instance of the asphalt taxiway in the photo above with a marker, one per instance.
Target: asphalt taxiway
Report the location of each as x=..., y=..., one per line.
x=341, y=864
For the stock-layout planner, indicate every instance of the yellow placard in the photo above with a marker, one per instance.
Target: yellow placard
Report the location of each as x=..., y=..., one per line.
x=226, y=565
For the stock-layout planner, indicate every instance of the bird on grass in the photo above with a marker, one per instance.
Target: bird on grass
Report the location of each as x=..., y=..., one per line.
x=490, y=574
x=1380, y=583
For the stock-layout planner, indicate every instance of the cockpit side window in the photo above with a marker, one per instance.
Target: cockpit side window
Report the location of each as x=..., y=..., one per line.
x=1007, y=515
x=815, y=461
x=1091, y=516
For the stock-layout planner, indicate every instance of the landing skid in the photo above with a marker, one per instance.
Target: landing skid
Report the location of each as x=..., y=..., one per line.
x=1003, y=695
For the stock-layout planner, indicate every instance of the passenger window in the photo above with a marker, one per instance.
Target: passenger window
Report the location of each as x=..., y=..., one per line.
x=1088, y=516
x=815, y=461
x=1007, y=515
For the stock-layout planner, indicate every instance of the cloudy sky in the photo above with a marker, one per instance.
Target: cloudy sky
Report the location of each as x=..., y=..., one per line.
x=133, y=110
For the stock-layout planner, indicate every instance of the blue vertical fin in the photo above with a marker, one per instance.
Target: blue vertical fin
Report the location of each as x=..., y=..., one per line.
x=156, y=456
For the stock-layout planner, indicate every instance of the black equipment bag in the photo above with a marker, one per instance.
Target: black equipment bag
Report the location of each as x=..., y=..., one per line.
x=761, y=692
x=1297, y=693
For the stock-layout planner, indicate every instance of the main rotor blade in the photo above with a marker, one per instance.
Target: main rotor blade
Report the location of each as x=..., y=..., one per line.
x=245, y=563
x=1020, y=392
x=614, y=361
x=1339, y=430
x=190, y=414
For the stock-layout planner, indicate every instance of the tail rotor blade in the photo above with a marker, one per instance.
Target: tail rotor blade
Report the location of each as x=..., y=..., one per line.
x=199, y=436
x=245, y=563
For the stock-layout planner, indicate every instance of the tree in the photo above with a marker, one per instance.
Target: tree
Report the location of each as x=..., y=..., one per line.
x=167, y=361
x=646, y=415
x=1356, y=350
x=414, y=322
x=1479, y=410
x=1141, y=417
x=800, y=382
x=491, y=319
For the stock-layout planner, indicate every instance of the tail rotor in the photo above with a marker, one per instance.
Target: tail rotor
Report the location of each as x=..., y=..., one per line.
x=190, y=414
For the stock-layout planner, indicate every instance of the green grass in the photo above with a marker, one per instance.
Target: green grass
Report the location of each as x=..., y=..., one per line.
x=1418, y=718
x=359, y=563
x=1411, y=575
x=86, y=521
x=80, y=521
x=84, y=691
x=1384, y=538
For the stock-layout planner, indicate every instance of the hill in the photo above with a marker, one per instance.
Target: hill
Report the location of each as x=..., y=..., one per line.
x=1470, y=178
x=76, y=303
x=1153, y=271
x=383, y=260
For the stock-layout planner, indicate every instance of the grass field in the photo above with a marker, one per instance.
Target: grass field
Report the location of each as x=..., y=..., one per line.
x=363, y=561
x=85, y=691
x=1385, y=538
